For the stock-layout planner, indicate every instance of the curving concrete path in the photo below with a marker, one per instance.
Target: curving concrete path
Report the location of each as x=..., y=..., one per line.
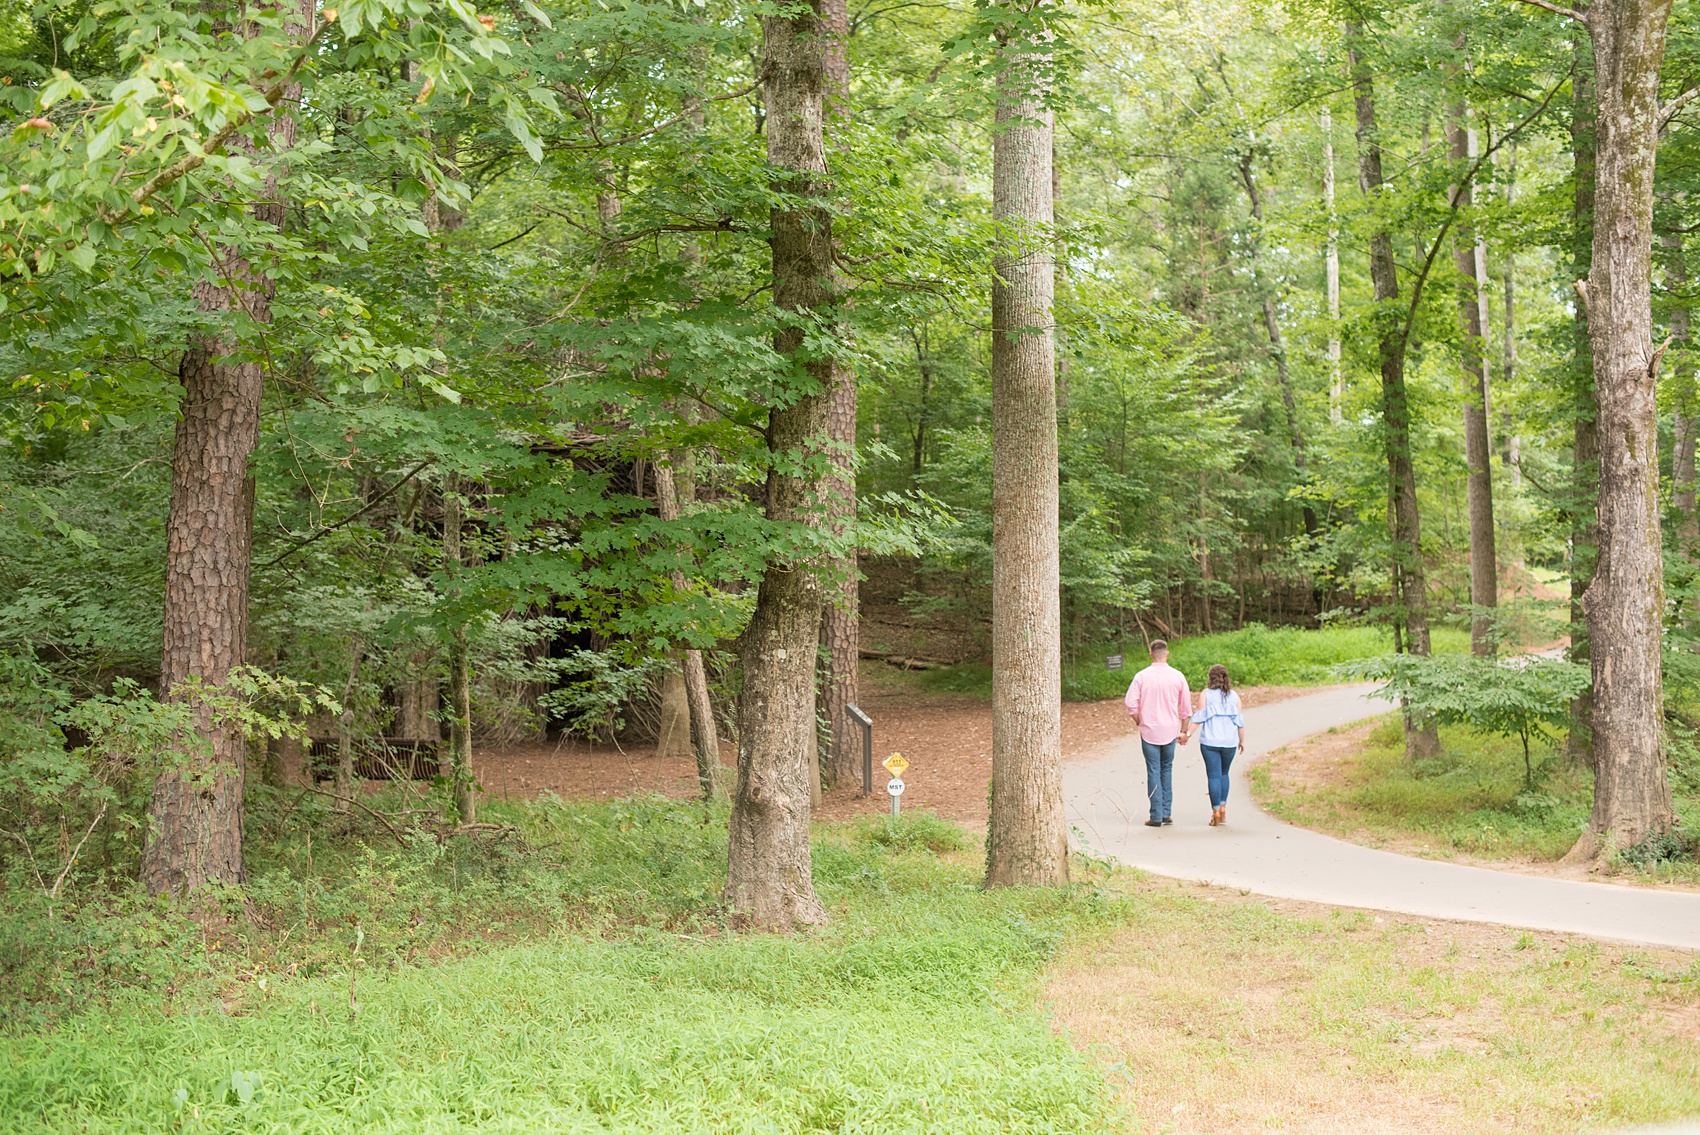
x=1107, y=809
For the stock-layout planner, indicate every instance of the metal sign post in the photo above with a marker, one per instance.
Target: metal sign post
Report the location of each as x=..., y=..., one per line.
x=867, y=724
x=895, y=765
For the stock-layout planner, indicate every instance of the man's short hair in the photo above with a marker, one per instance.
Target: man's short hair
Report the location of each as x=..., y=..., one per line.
x=1158, y=646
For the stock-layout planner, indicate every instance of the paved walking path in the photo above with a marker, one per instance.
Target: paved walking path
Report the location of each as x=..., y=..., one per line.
x=1107, y=805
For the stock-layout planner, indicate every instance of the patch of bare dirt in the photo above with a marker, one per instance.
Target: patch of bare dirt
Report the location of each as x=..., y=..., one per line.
x=947, y=739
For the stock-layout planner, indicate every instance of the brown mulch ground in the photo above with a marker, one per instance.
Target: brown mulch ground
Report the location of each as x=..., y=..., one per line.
x=946, y=738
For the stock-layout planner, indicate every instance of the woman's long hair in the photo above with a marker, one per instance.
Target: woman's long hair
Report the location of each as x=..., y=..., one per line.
x=1219, y=680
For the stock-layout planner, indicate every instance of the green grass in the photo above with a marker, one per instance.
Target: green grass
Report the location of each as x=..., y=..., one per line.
x=581, y=975
x=1305, y=1019
x=1472, y=799
x=590, y=986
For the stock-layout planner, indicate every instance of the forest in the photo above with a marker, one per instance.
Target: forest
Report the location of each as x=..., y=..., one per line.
x=393, y=382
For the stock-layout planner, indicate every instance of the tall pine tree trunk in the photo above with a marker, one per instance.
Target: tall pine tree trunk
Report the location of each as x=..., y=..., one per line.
x=1478, y=451
x=1027, y=841
x=1331, y=271
x=1624, y=604
x=459, y=764
x=768, y=876
x=840, y=618
x=194, y=833
x=1510, y=448
x=1585, y=449
x=1410, y=580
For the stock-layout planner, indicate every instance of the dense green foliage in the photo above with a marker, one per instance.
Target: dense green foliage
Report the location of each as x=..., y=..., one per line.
x=1255, y=655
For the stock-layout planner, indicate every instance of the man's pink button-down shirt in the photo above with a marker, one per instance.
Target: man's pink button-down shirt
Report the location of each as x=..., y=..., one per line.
x=1160, y=697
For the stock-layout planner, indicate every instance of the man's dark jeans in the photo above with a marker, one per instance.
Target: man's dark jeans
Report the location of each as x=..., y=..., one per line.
x=1159, y=777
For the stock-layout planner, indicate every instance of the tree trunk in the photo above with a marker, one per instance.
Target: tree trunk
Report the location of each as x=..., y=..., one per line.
x=674, y=737
x=705, y=735
x=1410, y=582
x=1584, y=456
x=1682, y=423
x=1027, y=840
x=1624, y=604
x=1277, y=349
x=768, y=876
x=194, y=833
x=1331, y=265
x=1467, y=254
x=344, y=780
x=840, y=623
x=1512, y=452
x=458, y=765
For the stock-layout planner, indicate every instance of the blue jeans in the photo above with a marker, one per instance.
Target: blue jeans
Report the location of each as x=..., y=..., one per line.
x=1159, y=777
x=1217, y=761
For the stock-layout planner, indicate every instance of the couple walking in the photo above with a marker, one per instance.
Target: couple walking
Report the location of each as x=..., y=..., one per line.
x=1161, y=705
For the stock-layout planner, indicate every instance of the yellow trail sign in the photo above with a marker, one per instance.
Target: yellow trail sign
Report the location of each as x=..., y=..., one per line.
x=895, y=764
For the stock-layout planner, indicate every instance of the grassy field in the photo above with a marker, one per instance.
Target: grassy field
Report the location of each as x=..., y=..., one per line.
x=1472, y=799
x=1231, y=1015
x=1255, y=656
x=580, y=975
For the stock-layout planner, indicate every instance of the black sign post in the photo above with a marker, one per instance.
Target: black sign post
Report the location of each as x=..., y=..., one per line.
x=1112, y=662
x=867, y=724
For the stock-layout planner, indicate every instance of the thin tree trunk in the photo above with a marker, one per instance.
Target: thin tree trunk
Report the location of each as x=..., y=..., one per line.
x=768, y=872
x=1512, y=453
x=344, y=781
x=1331, y=265
x=1027, y=840
x=1625, y=602
x=1585, y=451
x=673, y=739
x=705, y=736
x=1682, y=424
x=1410, y=582
x=459, y=764
x=924, y=365
x=194, y=832
x=840, y=622
x=1277, y=349
x=1478, y=450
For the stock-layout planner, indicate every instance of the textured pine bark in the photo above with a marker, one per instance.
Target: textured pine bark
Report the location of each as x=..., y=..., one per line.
x=1027, y=839
x=1625, y=602
x=768, y=877
x=840, y=630
x=1410, y=580
x=705, y=735
x=458, y=764
x=195, y=818
x=1478, y=450
x=1585, y=448
x=194, y=834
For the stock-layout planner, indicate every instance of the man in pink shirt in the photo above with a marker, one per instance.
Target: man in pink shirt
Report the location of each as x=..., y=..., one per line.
x=1161, y=705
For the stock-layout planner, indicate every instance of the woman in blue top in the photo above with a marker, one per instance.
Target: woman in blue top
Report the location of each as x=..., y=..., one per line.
x=1221, y=736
